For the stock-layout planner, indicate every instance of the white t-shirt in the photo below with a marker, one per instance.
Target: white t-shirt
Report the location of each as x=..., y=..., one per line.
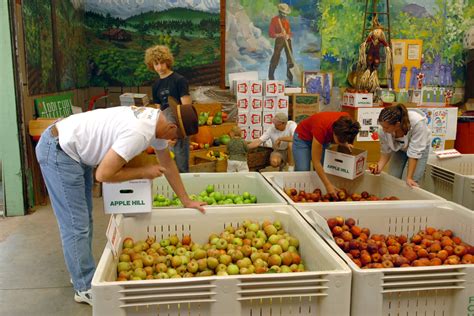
x=88, y=136
x=414, y=142
x=273, y=134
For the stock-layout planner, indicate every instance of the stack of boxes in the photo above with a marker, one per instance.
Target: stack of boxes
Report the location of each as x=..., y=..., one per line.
x=257, y=103
x=137, y=99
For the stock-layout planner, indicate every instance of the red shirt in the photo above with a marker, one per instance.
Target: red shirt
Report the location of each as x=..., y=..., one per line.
x=319, y=126
x=275, y=28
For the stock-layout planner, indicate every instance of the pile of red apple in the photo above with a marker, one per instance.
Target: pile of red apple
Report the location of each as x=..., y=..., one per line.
x=429, y=247
x=249, y=248
x=342, y=196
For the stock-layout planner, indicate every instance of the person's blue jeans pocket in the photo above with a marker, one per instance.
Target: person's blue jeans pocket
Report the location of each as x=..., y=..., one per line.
x=301, y=153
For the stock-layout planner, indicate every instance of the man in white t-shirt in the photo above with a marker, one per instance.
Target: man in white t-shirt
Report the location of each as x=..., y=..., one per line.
x=69, y=150
x=281, y=136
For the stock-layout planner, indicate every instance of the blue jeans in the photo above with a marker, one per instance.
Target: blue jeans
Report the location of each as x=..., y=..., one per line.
x=181, y=154
x=69, y=185
x=302, y=153
x=399, y=165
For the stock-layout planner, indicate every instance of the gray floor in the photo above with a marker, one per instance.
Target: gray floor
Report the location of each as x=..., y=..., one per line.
x=33, y=276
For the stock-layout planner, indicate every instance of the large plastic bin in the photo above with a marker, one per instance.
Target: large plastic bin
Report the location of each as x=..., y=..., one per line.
x=435, y=290
x=227, y=183
x=324, y=290
x=383, y=185
x=452, y=178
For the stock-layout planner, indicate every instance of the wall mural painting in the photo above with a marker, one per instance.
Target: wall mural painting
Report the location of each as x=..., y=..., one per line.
x=56, y=57
x=119, y=32
x=38, y=32
x=278, y=39
x=439, y=23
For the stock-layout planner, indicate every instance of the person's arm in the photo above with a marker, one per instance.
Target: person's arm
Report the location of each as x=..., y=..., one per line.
x=111, y=169
x=418, y=141
x=186, y=99
x=316, y=154
x=174, y=179
x=255, y=143
x=288, y=139
x=412, y=162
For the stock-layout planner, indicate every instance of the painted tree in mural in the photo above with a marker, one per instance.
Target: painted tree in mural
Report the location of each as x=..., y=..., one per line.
x=341, y=32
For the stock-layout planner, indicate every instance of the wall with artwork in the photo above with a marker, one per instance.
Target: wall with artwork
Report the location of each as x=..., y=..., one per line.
x=326, y=34
x=80, y=43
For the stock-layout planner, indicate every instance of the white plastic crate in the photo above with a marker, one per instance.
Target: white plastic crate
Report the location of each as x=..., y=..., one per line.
x=452, y=178
x=436, y=290
x=227, y=183
x=323, y=290
x=383, y=185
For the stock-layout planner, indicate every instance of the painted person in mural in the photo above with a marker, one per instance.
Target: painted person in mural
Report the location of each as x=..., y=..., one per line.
x=280, y=30
x=70, y=149
x=170, y=83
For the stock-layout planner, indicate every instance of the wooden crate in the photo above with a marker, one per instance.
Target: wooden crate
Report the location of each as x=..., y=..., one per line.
x=212, y=108
x=220, y=165
x=259, y=158
x=199, y=164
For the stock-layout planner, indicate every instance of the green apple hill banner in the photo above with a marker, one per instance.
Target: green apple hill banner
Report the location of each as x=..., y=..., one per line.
x=79, y=43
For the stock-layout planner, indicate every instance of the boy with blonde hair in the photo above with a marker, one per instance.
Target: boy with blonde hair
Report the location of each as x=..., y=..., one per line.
x=160, y=60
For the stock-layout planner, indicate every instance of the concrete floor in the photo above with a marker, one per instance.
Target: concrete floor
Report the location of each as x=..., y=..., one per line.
x=33, y=276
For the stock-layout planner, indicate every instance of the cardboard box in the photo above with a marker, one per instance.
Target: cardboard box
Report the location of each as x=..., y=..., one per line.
x=256, y=104
x=245, y=131
x=269, y=104
x=273, y=88
x=358, y=99
x=267, y=118
x=134, y=196
x=340, y=162
x=243, y=103
x=255, y=118
x=256, y=88
x=242, y=87
x=255, y=131
x=304, y=105
x=282, y=104
x=243, y=118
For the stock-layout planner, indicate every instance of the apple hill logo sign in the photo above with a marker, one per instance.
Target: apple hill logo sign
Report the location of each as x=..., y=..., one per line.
x=127, y=203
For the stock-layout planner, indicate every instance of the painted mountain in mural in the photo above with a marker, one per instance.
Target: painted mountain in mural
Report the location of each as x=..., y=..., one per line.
x=126, y=9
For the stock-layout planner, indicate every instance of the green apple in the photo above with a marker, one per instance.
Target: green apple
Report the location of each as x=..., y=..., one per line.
x=203, y=193
x=232, y=269
x=246, y=195
x=210, y=188
x=123, y=266
x=253, y=198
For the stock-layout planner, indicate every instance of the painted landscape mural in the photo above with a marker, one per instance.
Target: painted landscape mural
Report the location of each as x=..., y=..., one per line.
x=118, y=33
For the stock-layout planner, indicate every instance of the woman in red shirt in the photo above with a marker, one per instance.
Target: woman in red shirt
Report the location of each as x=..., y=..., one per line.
x=315, y=133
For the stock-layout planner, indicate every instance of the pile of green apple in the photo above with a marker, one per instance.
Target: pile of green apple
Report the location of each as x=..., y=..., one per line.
x=250, y=248
x=209, y=195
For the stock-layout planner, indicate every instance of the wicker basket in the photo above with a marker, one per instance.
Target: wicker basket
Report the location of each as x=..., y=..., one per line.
x=259, y=158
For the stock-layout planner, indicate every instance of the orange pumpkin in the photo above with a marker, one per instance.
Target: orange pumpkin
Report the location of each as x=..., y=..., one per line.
x=204, y=135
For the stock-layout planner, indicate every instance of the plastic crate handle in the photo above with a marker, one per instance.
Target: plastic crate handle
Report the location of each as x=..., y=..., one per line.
x=317, y=222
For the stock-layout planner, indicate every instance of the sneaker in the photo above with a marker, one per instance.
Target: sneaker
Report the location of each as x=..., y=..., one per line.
x=83, y=297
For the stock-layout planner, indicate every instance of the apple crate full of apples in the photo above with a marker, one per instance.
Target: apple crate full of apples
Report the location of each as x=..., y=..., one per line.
x=304, y=187
x=451, y=178
x=315, y=281
x=217, y=189
x=406, y=259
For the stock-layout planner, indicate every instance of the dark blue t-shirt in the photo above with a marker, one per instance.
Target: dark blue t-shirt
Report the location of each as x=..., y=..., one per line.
x=174, y=85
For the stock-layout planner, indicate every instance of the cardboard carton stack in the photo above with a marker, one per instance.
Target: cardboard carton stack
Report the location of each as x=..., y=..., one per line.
x=137, y=99
x=257, y=103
